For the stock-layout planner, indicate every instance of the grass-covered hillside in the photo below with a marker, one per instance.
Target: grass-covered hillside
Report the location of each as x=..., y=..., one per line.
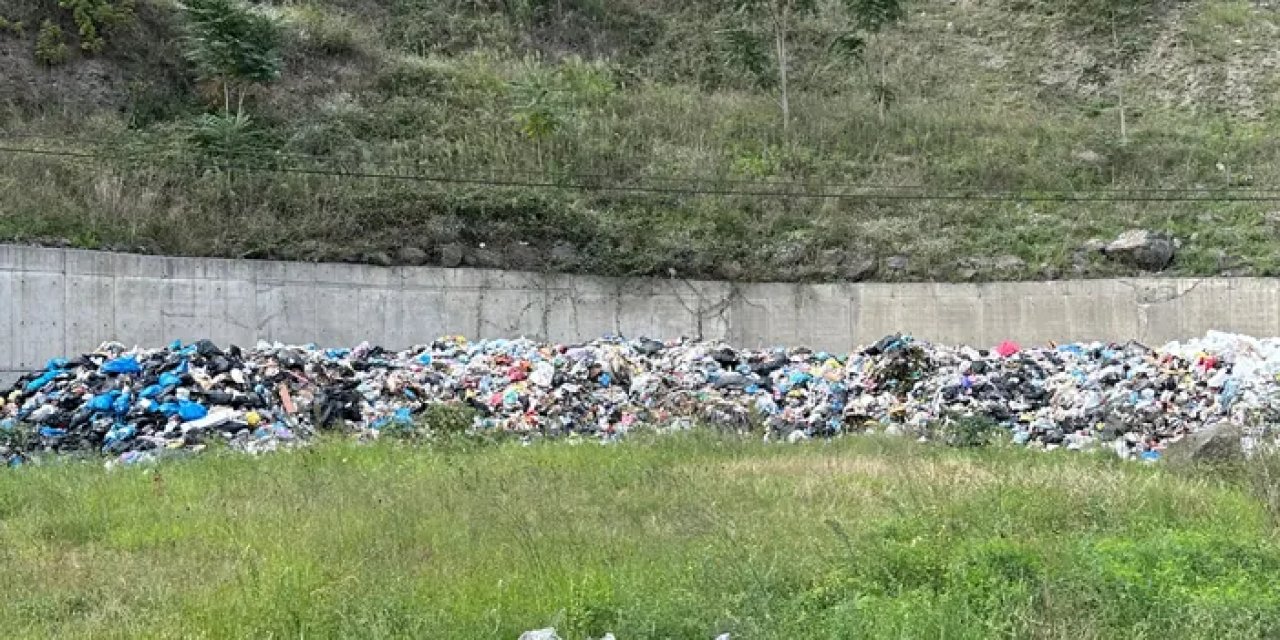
x=682, y=537
x=1011, y=133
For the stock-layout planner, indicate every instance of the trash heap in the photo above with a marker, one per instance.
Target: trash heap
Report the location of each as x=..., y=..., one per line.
x=136, y=404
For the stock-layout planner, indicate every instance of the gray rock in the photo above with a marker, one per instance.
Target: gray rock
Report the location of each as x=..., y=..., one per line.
x=824, y=267
x=1008, y=264
x=1094, y=245
x=731, y=270
x=789, y=255
x=857, y=268
x=1142, y=249
x=521, y=257
x=540, y=634
x=451, y=255
x=411, y=255
x=896, y=263
x=832, y=257
x=379, y=258
x=1221, y=442
x=485, y=257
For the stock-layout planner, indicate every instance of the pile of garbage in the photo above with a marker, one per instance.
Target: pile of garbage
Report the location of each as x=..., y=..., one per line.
x=135, y=404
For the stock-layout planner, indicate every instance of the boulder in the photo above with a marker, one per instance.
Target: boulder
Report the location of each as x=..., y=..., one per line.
x=830, y=260
x=521, y=256
x=1008, y=265
x=484, y=257
x=789, y=255
x=1094, y=245
x=411, y=256
x=540, y=634
x=857, y=268
x=896, y=263
x=1222, y=442
x=971, y=268
x=451, y=255
x=379, y=258
x=731, y=270
x=1142, y=249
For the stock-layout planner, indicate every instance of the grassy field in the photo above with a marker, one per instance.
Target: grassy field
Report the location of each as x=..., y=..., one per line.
x=681, y=537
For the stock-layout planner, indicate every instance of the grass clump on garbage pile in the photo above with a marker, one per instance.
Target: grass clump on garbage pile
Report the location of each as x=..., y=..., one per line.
x=674, y=537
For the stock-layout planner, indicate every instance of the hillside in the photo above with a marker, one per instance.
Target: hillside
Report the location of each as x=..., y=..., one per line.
x=1000, y=134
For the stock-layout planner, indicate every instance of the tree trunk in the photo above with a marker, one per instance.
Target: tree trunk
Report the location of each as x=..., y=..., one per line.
x=780, y=40
x=1115, y=43
x=883, y=88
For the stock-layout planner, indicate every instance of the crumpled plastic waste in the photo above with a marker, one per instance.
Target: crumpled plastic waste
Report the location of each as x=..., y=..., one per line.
x=138, y=405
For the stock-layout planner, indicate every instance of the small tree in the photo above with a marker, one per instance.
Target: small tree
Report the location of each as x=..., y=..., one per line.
x=539, y=111
x=232, y=46
x=777, y=19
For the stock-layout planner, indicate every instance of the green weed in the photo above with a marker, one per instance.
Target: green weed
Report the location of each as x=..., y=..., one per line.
x=654, y=538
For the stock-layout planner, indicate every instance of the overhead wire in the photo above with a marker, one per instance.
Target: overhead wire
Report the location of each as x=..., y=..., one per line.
x=797, y=190
x=269, y=154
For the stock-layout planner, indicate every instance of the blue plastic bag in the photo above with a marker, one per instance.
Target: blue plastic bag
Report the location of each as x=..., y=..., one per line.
x=151, y=391
x=56, y=363
x=188, y=410
x=170, y=379
x=44, y=379
x=120, y=433
x=126, y=365
x=104, y=402
x=52, y=432
x=122, y=404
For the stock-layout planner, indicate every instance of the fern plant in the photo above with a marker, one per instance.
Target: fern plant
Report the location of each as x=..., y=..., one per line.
x=93, y=17
x=51, y=45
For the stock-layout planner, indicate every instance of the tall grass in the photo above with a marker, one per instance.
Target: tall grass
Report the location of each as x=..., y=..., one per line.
x=675, y=538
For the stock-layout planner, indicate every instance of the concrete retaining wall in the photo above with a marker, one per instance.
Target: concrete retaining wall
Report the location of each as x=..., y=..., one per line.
x=56, y=302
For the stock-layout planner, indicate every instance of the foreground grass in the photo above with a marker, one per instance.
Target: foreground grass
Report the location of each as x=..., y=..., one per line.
x=680, y=538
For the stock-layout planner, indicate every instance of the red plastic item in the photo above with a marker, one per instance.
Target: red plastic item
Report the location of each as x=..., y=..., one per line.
x=1007, y=348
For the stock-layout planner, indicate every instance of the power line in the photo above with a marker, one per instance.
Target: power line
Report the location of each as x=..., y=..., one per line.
x=869, y=193
x=271, y=154
x=268, y=154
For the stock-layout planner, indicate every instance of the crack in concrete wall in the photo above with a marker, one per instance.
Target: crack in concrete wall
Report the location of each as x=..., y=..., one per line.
x=59, y=302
